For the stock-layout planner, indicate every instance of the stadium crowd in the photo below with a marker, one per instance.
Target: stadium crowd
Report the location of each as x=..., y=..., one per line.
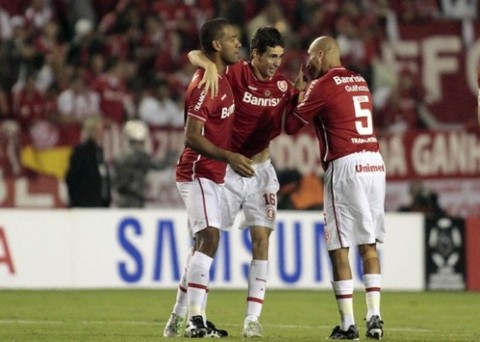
x=65, y=60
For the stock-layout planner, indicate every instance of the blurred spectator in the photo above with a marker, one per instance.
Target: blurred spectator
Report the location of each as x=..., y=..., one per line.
x=353, y=30
x=4, y=105
x=86, y=43
x=88, y=177
x=29, y=104
x=132, y=166
x=158, y=109
x=48, y=45
x=416, y=11
x=5, y=25
x=96, y=67
x=271, y=14
x=17, y=53
x=317, y=23
x=81, y=10
x=180, y=17
x=115, y=101
x=405, y=108
x=179, y=80
x=423, y=200
x=9, y=146
x=233, y=11
x=77, y=102
x=38, y=14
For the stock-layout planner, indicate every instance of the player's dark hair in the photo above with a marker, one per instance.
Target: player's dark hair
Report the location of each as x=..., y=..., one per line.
x=265, y=37
x=210, y=31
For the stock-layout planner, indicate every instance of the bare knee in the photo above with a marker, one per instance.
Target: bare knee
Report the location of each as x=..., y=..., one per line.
x=370, y=260
x=340, y=264
x=260, y=242
x=206, y=241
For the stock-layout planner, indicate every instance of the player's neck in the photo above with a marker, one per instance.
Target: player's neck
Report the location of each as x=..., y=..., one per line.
x=220, y=64
x=258, y=74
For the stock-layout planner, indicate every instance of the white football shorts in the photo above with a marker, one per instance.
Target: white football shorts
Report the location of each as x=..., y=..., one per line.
x=251, y=201
x=354, y=200
x=204, y=200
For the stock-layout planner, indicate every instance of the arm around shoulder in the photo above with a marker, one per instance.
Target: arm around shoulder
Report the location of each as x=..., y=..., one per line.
x=210, y=77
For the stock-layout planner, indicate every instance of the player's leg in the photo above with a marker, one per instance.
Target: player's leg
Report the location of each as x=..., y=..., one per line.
x=372, y=281
x=342, y=285
x=257, y=281
x=202, y=199
x=176, y=321
x=342, y=218
x=259, y=208
x=370, y=259
x=198, y=279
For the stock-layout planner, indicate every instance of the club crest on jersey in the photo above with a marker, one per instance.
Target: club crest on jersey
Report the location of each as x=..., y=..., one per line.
x=282, y=85
x=270, y=213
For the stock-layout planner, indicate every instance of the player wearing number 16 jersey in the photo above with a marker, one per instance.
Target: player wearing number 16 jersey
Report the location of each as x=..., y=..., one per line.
x=339, y=104
x=262, y=95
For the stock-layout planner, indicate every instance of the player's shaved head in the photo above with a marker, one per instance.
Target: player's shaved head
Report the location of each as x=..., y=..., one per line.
x=324, y=54
x=328, y=46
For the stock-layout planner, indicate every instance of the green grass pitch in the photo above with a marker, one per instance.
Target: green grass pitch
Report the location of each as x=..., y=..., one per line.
x=288, y=315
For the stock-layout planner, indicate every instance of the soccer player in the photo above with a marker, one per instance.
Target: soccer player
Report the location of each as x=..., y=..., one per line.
x=201, y=168
x=338, y=102
x=262, y=95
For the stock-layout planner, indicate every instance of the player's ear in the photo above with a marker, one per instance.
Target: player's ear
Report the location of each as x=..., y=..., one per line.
x=216, y=45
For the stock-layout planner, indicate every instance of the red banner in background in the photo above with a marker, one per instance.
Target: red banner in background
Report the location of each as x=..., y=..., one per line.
x=411, y=155
x=445, y=61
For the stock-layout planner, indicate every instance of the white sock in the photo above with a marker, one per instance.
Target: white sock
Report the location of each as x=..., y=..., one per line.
x=180, y=308
x=257, y=283
x=197, y=282
x=344, y=294
x=204, y=307
x=373, y=284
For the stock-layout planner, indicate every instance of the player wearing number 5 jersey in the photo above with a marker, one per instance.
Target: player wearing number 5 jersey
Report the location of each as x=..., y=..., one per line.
x=339, y=105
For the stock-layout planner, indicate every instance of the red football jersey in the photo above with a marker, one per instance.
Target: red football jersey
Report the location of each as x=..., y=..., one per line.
x=259, y=106
x=217, y=113
x=340, y=105
x=112, y=92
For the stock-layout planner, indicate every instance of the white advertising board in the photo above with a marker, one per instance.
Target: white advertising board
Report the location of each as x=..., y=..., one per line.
x=74, y=248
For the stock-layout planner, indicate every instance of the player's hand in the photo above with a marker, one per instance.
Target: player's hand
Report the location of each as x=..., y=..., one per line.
x=241, y=164
x=301, y=80
x=210, y=80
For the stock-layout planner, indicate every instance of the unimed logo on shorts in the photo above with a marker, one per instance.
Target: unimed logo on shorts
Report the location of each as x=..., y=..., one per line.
x=369, y=168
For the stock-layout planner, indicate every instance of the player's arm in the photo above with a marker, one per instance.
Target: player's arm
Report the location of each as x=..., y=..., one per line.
x=301, y=81
x=293, y=123
x=196, y=141
x=210, y=77
x=300, y=115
